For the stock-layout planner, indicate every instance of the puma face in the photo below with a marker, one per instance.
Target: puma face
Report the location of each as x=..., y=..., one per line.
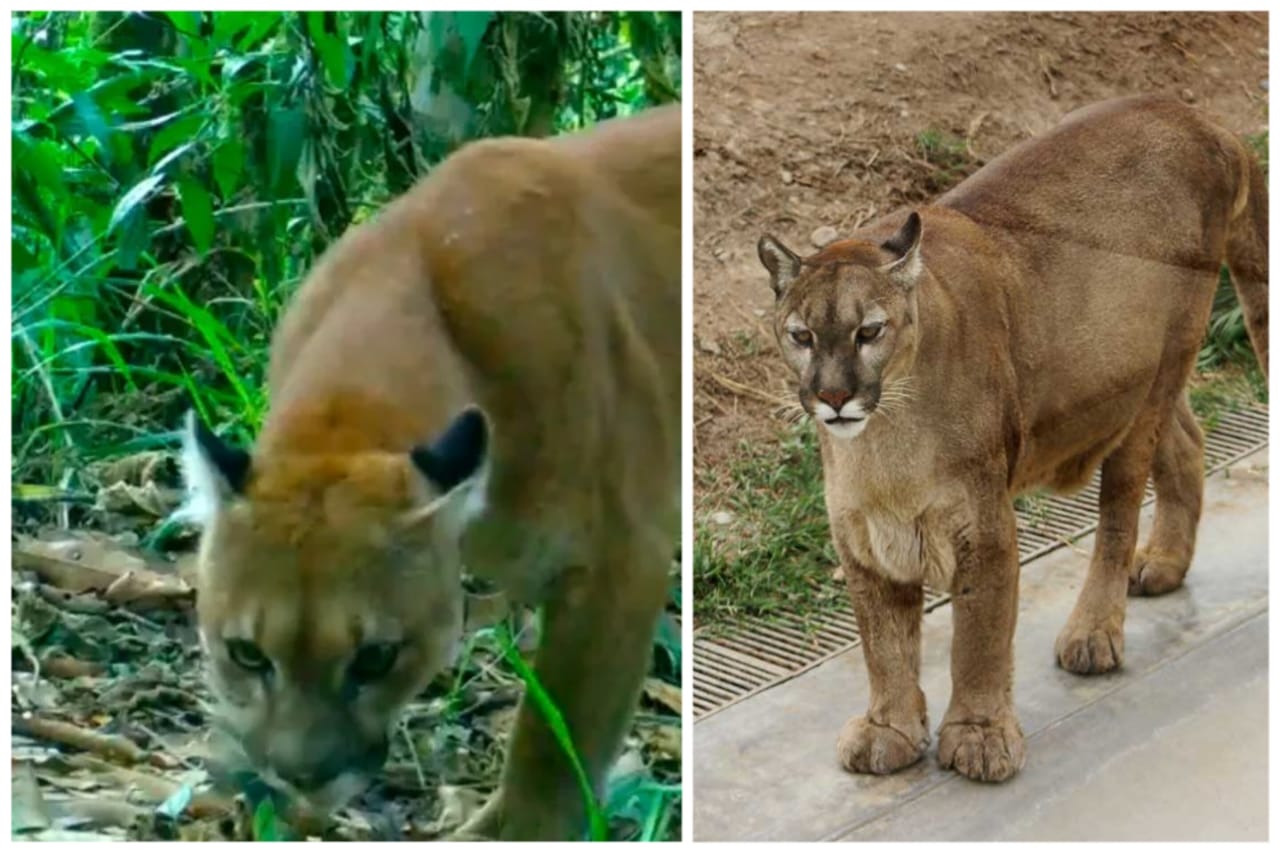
x=329, y=595
x=845, y=322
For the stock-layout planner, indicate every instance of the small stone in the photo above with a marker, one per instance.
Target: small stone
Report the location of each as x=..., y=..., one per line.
x=787, y=177
x=709, y=346
x=823, y=235
x=900, y=68
x=1188, y=96
x=759, y=312
x=722, y=517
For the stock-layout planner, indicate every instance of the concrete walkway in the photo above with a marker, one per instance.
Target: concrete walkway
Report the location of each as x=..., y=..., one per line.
x=1173, y=747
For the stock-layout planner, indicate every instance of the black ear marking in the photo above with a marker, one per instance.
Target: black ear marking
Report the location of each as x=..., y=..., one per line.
x=782, y=263
x=229, y=461
x=906, y=238
x=457, y=454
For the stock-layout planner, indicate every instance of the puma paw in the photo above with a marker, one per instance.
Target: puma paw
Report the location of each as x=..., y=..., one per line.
x=1154, y=573
x=985, y=752
x=548, y=813
x=1089, y=649
x=867, y=747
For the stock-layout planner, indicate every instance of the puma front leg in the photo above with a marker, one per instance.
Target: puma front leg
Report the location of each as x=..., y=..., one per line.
x=596, y=646
x=980, y=737
x=895, y=730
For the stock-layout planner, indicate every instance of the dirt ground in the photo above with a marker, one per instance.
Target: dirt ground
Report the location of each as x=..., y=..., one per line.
x=809, y=120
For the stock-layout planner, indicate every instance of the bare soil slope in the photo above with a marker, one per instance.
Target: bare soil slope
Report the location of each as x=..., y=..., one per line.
x=809, y=120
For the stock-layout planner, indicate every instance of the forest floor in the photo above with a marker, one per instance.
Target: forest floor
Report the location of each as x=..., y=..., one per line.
x=111, y=718
x=806, y=121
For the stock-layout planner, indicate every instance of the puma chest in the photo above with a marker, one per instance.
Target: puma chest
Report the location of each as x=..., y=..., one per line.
x=907, y=547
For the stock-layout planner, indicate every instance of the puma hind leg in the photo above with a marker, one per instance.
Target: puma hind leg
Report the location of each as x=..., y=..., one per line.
x=1092, y=641
x=1178, y=474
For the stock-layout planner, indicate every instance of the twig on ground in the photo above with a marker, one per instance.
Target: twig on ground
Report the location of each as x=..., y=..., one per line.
x=744, y=390
x=204, y=804
x=114, y=747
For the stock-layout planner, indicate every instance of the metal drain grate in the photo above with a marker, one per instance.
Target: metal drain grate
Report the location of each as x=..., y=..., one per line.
x=756, y=654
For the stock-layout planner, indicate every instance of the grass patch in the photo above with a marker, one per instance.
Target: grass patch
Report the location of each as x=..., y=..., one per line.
x=764, y=544
x=1260, y=144
x=949, y=153
x=1225, y=389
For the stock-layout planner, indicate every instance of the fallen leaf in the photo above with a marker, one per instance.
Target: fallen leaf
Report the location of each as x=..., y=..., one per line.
x=662, y=693
x=78, y=565
x=457, y=805
x=665, y=740
x=29, y=812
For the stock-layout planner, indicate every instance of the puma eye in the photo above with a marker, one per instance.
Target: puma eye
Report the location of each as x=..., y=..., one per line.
x=373, y=661
x=247, y=655
x=801, y=337
x=870, y=332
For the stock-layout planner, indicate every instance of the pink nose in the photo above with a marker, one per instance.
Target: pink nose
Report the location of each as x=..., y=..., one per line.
x=835, y=399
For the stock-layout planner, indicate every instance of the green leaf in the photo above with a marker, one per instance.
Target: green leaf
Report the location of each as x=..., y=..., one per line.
x=334, y=53
x=38, y=158
x=186, y=23
x=163, y=163
x=471, y=27
x=197, y=210
x=264, y=821
x=228, y=163
x=135, y=198
x=178, y=131
x=59, y=72
x=135, y=237
x=286, y=128
x=91, y=121
x=243, y=31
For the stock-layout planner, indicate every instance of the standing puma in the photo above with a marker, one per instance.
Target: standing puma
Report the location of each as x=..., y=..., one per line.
x=1039, y=320
x=486, y=375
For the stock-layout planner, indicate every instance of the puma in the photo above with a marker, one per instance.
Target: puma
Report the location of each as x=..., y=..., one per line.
x=1037, y=321
x=486, y=375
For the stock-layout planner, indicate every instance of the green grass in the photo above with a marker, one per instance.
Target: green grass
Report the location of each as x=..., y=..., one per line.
x=598, y=826
x=1260, y=143
x=949, y=153
x=1227, y=389
x=775, y=551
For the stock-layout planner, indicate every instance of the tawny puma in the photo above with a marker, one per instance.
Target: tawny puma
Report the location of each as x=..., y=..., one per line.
x=1038, y=321
x=485, y=375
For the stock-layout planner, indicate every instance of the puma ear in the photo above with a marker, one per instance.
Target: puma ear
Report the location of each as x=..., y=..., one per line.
x=905, y=271
x=215, y=472
x=782, y=263
x=455, y=464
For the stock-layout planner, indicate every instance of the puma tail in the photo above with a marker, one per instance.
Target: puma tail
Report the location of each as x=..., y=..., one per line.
x=1247, y=253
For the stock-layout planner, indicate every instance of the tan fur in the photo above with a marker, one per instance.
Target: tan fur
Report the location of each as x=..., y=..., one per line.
x=1045, y=323
x=539, y=280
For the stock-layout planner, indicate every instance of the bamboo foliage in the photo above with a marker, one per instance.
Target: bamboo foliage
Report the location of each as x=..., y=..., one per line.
x=175, y=174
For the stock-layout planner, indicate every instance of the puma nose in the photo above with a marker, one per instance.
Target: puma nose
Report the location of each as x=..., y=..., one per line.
x=834, y=398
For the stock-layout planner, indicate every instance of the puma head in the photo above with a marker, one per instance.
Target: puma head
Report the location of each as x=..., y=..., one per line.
x=329, y=594
x=846, y=323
